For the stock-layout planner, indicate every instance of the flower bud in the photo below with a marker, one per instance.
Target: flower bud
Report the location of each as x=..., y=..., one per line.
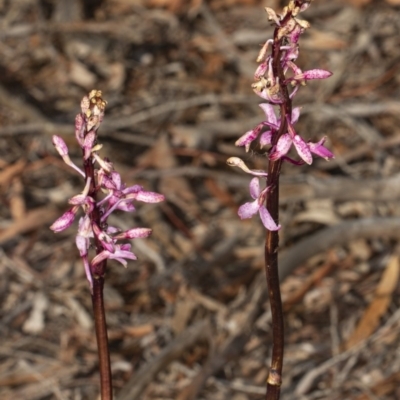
x=149, y=197
x=134, y=233
x=60, y=145
x=65, y=221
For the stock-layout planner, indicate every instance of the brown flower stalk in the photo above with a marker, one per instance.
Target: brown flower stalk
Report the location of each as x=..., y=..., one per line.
x=277, y=80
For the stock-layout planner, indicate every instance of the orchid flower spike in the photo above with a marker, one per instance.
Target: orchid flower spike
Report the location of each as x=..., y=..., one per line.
x=277, y=132
x=100, y=179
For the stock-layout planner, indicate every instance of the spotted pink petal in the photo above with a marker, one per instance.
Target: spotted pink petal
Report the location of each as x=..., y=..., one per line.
x=269, y=113
x=296, y=70
x=247, y=138
x=132, y=189
x=282, y=147
x=82, y=243
x=295, y=114
x=88, y=272
x=105, y=181
x=116, y=178
x=149, y=197
x=88, y=144
x=65, y=221
x=319, y=149
x=134, y=233
x=254, y=188
x=313, y=74
x=125, y=206
x=302, y=149
x=85, y=227
x=122, y=253
x=112, y=230
x=295, y=34
x=78, y=199
x=291, y=129
x=60, y=145
x=261, y=70
x=247, y=210
x=80, y=129
x=265, y=138
x=105, y=254
x=267, y=220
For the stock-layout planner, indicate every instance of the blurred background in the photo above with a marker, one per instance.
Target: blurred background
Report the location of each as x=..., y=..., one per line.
x=190, y=319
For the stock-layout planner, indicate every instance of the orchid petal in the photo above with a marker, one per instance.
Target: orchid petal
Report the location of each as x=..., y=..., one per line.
x=112, y=230
x=295, y=34
x=149, y=197
x=65, y=221
x=295, y=114
x=247, y=210
x=313, y=74
x=121, y=260
x=60, y=145
x=116, y=178
x=125, y=206
x=88, y=272
x=247, y=138
x=80, y=129
x=134, y=233
x=261, y=70
x=85, y=227
x=267, y=220
x=302, y=149
x=282, y=147
x=100, y=258
x=88, y=144
x=321, y=151
x=269, y=113
x=82, y=243
x=265, y=138
x=132, y=189
x=255, y=188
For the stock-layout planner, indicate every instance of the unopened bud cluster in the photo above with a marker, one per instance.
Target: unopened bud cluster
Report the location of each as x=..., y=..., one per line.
x=100, y=177
x=277, y=80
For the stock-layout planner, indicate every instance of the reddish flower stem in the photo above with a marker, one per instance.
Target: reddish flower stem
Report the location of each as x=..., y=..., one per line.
x=102, y=339
x=274, y=379
x=98, y=299
x=274, y=293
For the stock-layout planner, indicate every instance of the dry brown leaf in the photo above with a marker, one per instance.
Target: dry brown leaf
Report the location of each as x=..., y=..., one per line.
x=175, y=188
x=35, y=322
x=316, y=276
x=139, y=331
x=27, y=374
x=359, y=3
x=217, y=191
x=383, y=387
x=81, y=75
x=379, y=305
x=318, y=40
x=183, y=311
x=80, y=314
x=7, y=174
x=16, y=200
x=33, y=219
x=174, y=6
